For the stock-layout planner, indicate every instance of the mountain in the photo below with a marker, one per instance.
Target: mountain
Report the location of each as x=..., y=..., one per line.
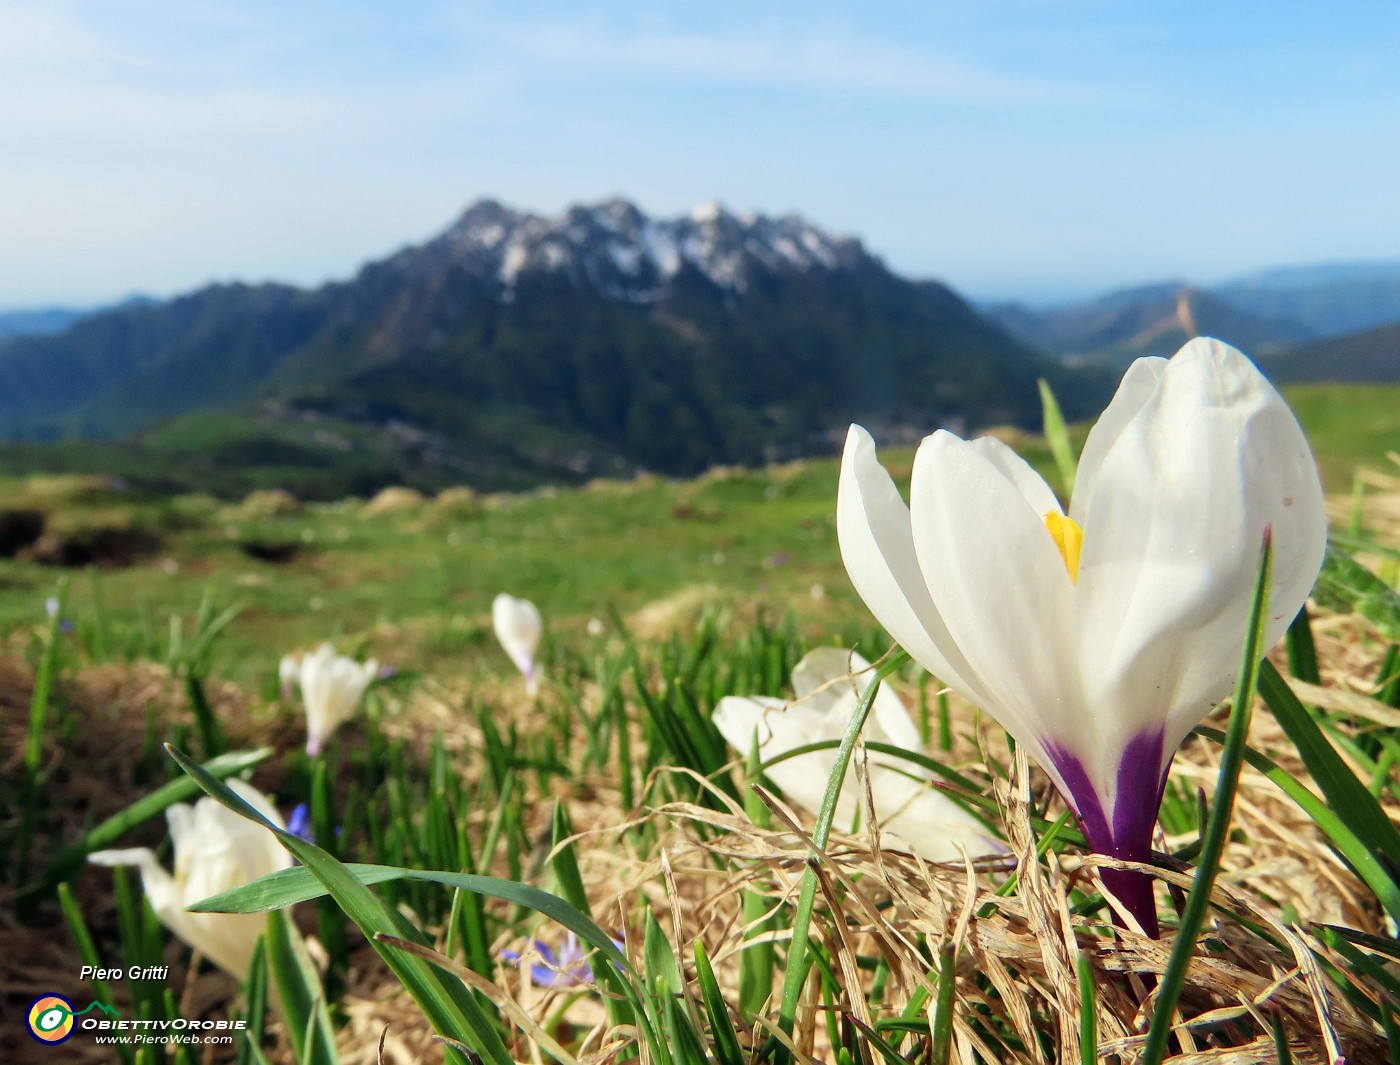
x=1330, y=299
x=514, y=348
x=1366, y=355
x=1261, y=313
x=1114, y=329
x=37, y=322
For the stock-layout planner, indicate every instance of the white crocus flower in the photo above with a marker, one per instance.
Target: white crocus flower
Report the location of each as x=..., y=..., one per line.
x=215, y=850
x=518, y=627
x=288, y=674
x=828, y=683
x=331, y=688
x=1099, y=638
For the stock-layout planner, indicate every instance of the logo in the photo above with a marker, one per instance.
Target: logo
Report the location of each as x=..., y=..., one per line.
x=51, y=1018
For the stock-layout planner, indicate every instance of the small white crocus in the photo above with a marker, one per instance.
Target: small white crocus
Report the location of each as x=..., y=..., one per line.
x=828, y=683
x=331, y=688
x=215, y=850
x=1101, y=637
x=288, y=674
x=518, y=627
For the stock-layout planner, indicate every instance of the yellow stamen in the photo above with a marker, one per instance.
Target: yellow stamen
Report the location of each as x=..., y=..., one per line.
x=1068, y=537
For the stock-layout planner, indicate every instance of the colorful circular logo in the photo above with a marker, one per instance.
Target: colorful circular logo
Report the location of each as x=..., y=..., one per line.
x=50, y=1018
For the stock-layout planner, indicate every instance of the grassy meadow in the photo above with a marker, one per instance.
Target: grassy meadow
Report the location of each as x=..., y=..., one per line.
x=608, y=807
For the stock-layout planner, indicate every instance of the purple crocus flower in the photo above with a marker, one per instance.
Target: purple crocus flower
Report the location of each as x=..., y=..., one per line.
x=1099, y=637
x=299, y=823
x=566, y=968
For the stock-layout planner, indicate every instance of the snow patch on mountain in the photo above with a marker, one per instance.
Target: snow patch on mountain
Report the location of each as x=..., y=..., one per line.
x=624, y=254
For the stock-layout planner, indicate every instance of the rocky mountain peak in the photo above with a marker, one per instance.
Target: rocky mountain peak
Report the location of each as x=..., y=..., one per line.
x=624, y=253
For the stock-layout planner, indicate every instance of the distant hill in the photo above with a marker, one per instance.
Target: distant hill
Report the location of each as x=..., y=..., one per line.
x=1366, y=355
x=514, y=348
x=37, y=322
x=1265, y=314
x=1114, y=329
x=1330, y=299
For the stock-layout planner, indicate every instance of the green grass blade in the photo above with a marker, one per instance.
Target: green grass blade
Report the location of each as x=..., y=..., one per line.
x=721, y=1028
x=941, y=1041
x=1349, y=797
x=566, y=872
x=1345, y=585
x=756, y=961
x=444, y=999
x=798, y=962
x=34, y=742
x=1392, y=1032
x=1302, y=651
x=1088, y=1012
x=1222, y=808
x=87, y=952
x=1057, y=436
x=303, y=1003
x=211, y=733
x=1281, y=1049
x=255, y=1005
x=1367, y=864
x=330, y=921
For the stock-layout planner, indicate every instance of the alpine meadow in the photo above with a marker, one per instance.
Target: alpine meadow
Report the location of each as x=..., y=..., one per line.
x=867, y=535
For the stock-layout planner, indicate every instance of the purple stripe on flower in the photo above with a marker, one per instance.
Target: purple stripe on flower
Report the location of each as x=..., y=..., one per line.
x=1141, y=779
x=1125, y=831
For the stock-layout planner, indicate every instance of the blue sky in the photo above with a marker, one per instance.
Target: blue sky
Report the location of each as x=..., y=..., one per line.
x=1041, y=148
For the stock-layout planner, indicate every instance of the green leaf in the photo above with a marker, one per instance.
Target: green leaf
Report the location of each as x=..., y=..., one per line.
x=566, y=871
x=1349, y=797
x=941, y=1049
x=444, y=999
x=1302, y=651
x=1057, y=436
x=303, y=1002
x=721, y=1028
x=1366, y=863
x=1218, y=827
x=255, y=1005
x=756, y=961
x=1088, y=1012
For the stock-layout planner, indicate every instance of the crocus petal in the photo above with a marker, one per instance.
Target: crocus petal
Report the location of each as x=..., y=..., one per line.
x=908, y=808
x=780, y=729
x=831, y=680
x=1001, y=585
x=877, y=546
x=928, y=823
x=331, y=689
x=1135, y=389
x=518, y=626
x=158, y=885
x=216, y=850
x=288, y=674
x=1177, y=511
x=1015, y=469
